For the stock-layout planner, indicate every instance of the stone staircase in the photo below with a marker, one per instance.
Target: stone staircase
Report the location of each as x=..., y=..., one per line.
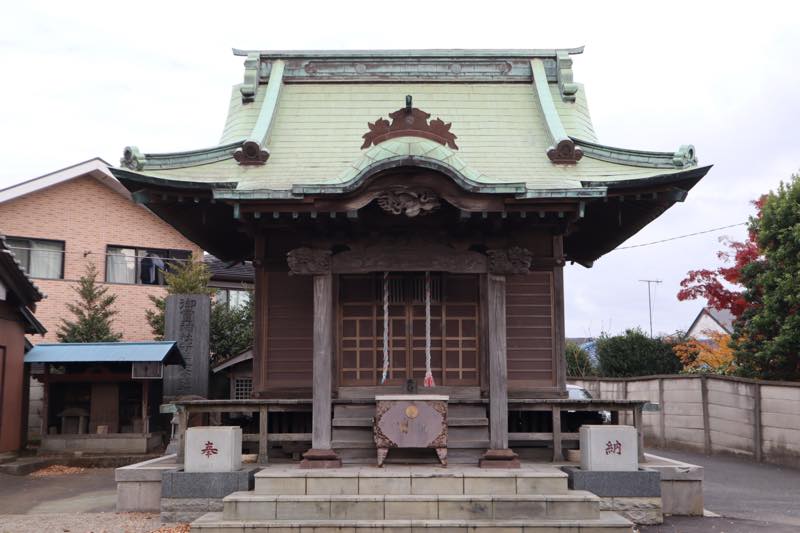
x=401, y=499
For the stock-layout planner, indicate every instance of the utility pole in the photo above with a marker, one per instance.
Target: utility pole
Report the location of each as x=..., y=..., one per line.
x=650, y=300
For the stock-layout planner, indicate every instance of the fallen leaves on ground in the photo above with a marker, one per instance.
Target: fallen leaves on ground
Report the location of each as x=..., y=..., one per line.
x=58, y=470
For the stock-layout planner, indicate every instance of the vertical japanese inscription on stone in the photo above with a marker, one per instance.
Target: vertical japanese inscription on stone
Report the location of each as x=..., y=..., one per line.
x=187, y=320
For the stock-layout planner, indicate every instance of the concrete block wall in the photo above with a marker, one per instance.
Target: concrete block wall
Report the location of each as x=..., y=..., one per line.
x=714, y=414
x=780, y=424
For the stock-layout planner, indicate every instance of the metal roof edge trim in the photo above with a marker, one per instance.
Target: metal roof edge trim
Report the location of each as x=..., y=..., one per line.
x=135, y=177
x=133, y=159
x=684, y=157
x=445, y=53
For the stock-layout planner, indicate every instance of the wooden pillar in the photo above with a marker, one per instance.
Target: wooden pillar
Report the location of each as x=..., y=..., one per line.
x=145, y=407
x=559, y=332
x=263, y=434
x=557, y=454
x=321, y=455
x=260, y=319
x=498, y=455
x=45, y=401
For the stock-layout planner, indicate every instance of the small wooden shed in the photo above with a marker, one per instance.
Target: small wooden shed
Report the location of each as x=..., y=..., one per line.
x=101, y=397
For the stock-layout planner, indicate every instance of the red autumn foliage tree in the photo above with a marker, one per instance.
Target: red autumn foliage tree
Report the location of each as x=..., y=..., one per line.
x=720, y=287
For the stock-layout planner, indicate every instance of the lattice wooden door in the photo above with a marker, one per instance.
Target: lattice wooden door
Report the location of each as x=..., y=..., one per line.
x=454, y=329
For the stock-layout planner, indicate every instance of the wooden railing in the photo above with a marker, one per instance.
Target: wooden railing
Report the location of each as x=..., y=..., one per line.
x=188, y=408
x=556, y=407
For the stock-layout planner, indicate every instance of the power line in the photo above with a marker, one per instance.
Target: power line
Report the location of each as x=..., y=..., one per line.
x=679, y=237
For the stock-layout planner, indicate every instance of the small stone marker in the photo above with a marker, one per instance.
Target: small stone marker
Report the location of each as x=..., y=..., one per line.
x=609, y=448
x=213, y=449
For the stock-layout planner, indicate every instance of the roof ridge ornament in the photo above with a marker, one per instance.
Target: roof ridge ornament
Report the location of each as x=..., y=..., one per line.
x=133, y=158
x=685, y=156
x=563, y=149
x=252, y=66
x=254, y=150
x=410, y=121
x=566, y=86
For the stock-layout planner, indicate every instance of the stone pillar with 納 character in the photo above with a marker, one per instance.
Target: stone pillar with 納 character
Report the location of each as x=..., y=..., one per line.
x=610, y=448
x=610, y=469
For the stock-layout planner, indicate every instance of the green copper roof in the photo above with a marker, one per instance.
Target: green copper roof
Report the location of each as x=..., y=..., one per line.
x=297, y=120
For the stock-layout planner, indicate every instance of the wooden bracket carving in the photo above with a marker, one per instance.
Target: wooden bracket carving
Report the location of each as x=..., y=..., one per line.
x=565, y=152
x=409, y=121
x=514, y=260
x=309, y=261
x=251, y=153
x=405, y=201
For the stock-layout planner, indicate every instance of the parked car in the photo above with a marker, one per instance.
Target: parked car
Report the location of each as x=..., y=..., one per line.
x=574, y=419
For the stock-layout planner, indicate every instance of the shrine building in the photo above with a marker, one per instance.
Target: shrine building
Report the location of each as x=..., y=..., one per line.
x=409, y=215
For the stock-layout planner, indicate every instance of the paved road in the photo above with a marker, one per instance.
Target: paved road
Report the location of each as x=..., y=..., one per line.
x=748, y=496
x=91, y=491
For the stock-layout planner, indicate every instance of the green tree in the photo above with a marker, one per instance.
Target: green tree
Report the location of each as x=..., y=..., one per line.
x=766, y=337
x=188, y=277
x=93, y=312
x=231, y=329
x=579, y=364
x=636, y=354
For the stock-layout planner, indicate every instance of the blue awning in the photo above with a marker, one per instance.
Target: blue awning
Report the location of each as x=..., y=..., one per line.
x=106, y=352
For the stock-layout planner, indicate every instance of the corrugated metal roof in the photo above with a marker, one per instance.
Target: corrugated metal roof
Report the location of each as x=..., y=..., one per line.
x=105, y=352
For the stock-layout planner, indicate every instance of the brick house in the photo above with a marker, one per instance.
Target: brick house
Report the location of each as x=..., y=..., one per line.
x=59, y=222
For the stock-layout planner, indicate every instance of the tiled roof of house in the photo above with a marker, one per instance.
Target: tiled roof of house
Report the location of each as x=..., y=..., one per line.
x=224, y=271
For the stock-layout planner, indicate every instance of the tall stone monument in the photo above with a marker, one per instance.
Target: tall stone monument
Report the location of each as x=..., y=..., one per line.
x=188, y=320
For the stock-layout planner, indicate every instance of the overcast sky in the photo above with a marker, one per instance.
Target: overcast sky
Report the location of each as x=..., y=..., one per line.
x=85, y=79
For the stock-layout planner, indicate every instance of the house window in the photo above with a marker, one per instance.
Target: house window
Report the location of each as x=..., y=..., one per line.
x=39, y=258
x=141, y=266
x=242, y=388
x=233, y=298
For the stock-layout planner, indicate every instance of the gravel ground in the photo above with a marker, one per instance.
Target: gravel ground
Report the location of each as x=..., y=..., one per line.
x=80, y=523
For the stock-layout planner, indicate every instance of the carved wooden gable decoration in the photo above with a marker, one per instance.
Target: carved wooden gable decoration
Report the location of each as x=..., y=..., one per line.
x=409, y=121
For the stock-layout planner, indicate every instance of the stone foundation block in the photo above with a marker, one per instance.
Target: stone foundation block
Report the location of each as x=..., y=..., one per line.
x=642, y=511
x=641, y=483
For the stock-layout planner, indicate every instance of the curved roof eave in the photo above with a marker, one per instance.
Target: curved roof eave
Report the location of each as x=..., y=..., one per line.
x=127, y=177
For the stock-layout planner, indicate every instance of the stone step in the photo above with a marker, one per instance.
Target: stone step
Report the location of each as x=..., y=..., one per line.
x=606, y=522
x=249, y=506
x=397, y=479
